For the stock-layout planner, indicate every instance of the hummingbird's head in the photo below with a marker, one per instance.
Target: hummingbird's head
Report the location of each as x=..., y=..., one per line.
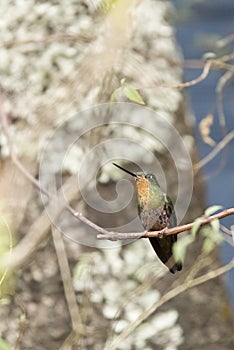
x=143, y=182
x=152, y=179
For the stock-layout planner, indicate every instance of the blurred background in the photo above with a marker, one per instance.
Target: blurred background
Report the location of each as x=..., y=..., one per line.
x=63, y=65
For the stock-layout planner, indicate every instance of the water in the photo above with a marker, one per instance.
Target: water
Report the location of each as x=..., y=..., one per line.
x=199, y=25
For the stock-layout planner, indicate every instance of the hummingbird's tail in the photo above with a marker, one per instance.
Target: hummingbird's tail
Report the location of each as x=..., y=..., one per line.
x=176, y=267
x=163, y=249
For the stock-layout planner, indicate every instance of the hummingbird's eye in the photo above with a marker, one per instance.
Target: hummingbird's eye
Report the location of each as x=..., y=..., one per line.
x=149, y=176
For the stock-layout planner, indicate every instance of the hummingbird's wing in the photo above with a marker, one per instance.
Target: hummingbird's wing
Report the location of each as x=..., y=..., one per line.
x=163, y=247
x=169, y=207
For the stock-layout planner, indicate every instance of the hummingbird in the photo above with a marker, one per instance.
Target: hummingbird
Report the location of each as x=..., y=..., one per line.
x=156, y=212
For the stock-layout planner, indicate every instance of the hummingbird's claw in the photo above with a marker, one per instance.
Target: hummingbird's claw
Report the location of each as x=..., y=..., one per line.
x=161, y=233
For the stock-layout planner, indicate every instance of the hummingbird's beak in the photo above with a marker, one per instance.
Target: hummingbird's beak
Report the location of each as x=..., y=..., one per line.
x=126, y=171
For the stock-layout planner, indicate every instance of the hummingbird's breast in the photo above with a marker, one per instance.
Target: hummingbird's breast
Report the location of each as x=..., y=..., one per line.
x=142, y=189
x=154, y=219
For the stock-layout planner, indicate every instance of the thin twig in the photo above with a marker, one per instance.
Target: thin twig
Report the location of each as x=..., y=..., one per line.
x=226, y=230
x=229, y=236
x=22, y=323
x=198, y=64
x=14, y=158
x=59, y=37
x=165, y=298
x=224, y=41
x=228, y=138
x=77, y=324
x=213, y=63
x=227, y=57
x=224, y=79
x=201, y=77
x=73, y=308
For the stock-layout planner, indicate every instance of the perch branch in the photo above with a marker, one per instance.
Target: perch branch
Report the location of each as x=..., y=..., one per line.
x=171, y=231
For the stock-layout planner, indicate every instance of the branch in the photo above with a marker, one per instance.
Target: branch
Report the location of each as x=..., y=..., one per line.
x=113, y=236
x=13, y=156
x=201, y=77
x=59, y=37
x=73, y=308
x=207, y=66
x=228, y=138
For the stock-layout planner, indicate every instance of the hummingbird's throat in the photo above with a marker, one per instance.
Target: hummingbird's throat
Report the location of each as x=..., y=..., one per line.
x=142, y=188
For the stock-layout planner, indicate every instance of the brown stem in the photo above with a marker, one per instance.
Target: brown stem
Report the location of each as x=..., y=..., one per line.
x=113, y=236
x=73, y=308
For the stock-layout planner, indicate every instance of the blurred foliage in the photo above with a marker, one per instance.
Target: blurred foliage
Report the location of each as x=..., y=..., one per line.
x=4, y=345
x=6, y=244
x=210, y=232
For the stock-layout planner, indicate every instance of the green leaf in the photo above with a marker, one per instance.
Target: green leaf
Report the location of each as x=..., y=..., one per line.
x=215, y=225
x=133, y=95
x=82, y=269
x=4, y=345
x=208, y=55
x=22, y=318
x=180, y=247
x=208, y=245
x=114, y=94
x=196, y=226
x=211, y=210
x=217, y=237
x=212, y=236
x=211, y=241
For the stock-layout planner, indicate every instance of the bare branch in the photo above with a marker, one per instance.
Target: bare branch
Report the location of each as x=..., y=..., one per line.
x=225, y=78
x=229, y=237
x=223, y=143
x=77, y=325
x=59, y=37
x=207, y=66
x=228, y=57
x=201, y=77
x=224, y=41
x=73, y=308
x=15, y=160
x=113, y=236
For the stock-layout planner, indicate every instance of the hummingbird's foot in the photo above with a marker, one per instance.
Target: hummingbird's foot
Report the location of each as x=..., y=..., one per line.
x=161, y=233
